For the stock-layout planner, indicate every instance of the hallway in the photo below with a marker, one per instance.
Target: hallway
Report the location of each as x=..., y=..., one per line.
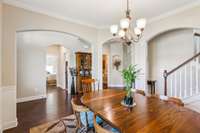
x=33, y=113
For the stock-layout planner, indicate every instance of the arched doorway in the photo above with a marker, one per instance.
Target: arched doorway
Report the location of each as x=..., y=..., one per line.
x=166, y=51
x=115, y=57
x=31, y=57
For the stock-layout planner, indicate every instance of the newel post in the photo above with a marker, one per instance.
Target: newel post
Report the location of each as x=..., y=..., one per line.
x=165, y=82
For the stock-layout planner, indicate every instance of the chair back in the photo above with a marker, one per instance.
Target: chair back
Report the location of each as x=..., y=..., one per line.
x=98, y=128
x=77, y=109
x=140, y=92
x=88, y=85
x=176, y=101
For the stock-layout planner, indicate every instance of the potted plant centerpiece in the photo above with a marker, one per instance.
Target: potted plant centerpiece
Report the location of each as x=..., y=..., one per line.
x=129, y=76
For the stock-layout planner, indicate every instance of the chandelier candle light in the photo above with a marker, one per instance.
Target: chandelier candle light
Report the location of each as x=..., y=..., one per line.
x=126, y=32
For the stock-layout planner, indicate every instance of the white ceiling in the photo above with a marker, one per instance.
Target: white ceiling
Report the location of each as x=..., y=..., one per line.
x=101, y=13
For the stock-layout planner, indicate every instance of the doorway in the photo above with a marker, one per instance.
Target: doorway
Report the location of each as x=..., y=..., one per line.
x=32, y=52
x=52, y=66
x=66, y=74
x=105, y=71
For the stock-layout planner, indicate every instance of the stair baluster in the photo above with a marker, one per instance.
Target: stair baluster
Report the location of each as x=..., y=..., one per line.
x=184, y=80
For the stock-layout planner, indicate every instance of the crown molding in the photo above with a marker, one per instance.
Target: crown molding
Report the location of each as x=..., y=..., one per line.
x=166, y=14
x=174, y=12
x=19, y=4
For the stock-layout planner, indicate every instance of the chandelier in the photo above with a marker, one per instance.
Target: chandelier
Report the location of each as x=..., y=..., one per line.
x=127, y=32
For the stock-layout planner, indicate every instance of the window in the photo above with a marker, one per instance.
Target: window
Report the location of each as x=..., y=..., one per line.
x=50, y=69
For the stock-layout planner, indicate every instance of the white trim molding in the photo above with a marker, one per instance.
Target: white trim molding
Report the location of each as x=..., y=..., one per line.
x=116, y=85
x=92, y=25
x=174, y=12
x=10, y=124
x=8, y=88
x=1, y=130
x=31, y=98
x=9, y=115
x=48, y=13
x=60, y=86
x=192, y=99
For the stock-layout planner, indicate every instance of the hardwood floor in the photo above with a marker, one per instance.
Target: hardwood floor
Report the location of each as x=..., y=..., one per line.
x=56, y=105
x=34, y=113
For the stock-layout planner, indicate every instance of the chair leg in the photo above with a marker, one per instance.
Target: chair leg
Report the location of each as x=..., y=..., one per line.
x=82, y=130
x=94, y=86
x=87, y=125
x=93, y=129
x=98, y=86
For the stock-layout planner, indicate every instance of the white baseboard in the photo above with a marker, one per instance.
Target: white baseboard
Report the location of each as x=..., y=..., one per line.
x=1, y=130
x=61, y=87
x=31, y=98
x=191, y=99
x=9, y=116
x=10, y=124
x=116, y=85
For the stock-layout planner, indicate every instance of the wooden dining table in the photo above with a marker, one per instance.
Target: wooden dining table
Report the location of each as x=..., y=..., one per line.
x=150, y=115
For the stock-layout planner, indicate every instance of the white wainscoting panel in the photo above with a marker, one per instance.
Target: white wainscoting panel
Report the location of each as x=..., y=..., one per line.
x=9, y=107
x=1, y=130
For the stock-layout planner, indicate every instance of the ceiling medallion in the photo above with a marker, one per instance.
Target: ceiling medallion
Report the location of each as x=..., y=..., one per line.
x=127, y=32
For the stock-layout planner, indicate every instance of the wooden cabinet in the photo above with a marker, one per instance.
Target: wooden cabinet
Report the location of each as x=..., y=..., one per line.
x=83, y=67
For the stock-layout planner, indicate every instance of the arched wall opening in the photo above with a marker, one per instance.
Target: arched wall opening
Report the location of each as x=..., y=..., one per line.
x=166, y=51
x=30, y=21
x=114, y=52
x=32, y=51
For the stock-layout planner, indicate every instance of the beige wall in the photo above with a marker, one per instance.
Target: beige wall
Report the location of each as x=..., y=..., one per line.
x=53, y=50
x=16, y=19
x=127, y=56
x=167, y=51
x=60, y=54
x=188, y=18
x=52, y=60
x=31, y=74
x=114, y=76
x=0, y=66
x=61, y=67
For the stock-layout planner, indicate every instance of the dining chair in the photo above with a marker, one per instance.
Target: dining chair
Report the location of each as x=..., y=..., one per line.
x=88, y=85
x=140, y=92
x=175, y=100
x=99, y=129
x=84, y=117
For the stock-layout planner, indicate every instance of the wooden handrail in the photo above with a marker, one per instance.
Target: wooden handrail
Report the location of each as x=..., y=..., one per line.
x=196, y=34
x=166, y=73
x=184, y=63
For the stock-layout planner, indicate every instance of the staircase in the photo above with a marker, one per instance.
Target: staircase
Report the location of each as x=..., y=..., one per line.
x=184, y=80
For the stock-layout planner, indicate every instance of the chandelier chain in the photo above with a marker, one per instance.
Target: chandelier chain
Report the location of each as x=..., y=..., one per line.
x=126, y=32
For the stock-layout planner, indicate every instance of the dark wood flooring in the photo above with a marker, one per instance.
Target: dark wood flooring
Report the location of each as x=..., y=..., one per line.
x=37, y=112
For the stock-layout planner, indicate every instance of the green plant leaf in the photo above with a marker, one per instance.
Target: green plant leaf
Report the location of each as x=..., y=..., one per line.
x=130, y=74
